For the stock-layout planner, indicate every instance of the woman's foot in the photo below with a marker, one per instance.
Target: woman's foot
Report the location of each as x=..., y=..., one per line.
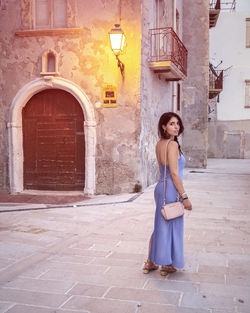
x=149, y=266
x=167, y=269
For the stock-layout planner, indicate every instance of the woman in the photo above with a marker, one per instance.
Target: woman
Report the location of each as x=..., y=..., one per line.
x=166, y=243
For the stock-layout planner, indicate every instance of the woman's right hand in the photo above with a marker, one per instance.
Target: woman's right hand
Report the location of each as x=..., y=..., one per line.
x=187, y=204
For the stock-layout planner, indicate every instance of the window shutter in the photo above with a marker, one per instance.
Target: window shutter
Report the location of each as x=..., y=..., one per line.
x=247, y=103
x=248, y=32
x=42, y=13
x=60, y=13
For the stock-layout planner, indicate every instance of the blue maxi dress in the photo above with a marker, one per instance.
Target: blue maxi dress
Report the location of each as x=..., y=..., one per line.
x=167, y=237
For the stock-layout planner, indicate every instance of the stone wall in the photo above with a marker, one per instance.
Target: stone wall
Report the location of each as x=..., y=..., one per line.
x=195, y=86
x=229, y=139
x=85, y=59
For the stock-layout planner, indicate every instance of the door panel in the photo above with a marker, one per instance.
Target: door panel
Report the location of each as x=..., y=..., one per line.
x=53, y=142
x=232, y=146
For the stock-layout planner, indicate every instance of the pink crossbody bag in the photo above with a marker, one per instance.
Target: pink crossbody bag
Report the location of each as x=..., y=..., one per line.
x=174, y=209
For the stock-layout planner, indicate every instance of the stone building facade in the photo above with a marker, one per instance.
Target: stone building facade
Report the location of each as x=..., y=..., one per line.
x=229, y=125
x=195, y=87
x=55, y=63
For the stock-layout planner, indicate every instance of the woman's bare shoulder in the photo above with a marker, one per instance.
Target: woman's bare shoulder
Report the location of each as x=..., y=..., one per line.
x=173, y=145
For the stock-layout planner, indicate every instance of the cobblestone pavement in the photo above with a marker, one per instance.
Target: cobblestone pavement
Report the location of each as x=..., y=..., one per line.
x=87, y=257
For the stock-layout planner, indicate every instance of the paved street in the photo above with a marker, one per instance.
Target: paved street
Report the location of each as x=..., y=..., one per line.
x=87, y=257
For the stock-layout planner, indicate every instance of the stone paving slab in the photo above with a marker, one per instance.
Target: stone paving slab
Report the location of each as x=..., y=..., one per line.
x=148, y=296
x=151, y=308
x=80, y=258
x=31, y=297
x=208, y=301
x=170, y=285
x=98, y=305
x=40, y=285
x=34, y=309
x=88, y=290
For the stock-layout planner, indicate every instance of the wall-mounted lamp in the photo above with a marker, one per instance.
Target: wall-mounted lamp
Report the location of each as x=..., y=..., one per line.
x=117, y=39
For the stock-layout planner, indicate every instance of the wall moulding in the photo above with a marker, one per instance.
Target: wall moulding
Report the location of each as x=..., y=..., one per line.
x=48, y=32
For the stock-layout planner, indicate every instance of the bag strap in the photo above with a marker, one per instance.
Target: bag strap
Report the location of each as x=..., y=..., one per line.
x=165, y=174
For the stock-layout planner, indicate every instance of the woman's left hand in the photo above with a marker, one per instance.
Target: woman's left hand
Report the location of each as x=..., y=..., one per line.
x=187, y=204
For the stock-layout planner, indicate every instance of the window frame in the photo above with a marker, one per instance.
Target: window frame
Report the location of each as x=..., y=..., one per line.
x=248, y=32
x=247, y=93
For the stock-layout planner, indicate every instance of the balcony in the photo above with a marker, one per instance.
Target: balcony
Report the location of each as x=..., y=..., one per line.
x=215, y=6
x=168, y=55
x=215, y=82
x=214, y=11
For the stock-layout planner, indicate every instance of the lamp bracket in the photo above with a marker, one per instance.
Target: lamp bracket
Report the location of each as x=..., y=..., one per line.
x=120, y=65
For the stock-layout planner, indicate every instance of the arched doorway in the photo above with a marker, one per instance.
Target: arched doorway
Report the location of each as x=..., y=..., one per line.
x=53, y=142
x=15, y=129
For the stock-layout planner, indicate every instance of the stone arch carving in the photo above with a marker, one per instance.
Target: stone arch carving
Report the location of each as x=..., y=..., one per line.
x=15, y=132
x=49, y=63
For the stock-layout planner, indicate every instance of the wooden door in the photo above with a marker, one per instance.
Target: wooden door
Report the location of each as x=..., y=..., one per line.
x=53, y=142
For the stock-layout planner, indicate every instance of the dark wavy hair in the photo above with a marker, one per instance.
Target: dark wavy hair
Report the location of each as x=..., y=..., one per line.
x=164, y=119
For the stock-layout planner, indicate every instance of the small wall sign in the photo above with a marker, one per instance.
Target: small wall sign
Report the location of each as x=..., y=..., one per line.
x=109, y=96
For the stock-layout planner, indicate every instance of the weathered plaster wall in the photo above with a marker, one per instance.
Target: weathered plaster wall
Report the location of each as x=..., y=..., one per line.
x=8, y=79
x=195, y=86
x=229, y=139
x=86, y=60
x=118, y=128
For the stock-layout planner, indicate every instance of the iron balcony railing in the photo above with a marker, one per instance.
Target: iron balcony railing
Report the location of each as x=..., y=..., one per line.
x=165, y=45
x=215, y=82
x=222, y=5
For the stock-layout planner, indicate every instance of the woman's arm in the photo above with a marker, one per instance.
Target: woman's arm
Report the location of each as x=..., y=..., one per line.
x=173, y=155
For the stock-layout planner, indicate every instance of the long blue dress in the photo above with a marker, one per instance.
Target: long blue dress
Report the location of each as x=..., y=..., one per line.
x=167, y=237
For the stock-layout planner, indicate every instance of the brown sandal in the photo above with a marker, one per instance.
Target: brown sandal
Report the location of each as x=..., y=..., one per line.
x=167, y=269
x=149, y=266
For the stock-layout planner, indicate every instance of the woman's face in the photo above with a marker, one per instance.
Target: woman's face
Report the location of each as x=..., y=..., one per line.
x=173, y=127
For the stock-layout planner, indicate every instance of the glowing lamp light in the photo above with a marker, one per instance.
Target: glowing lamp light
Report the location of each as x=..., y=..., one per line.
x=117, y=39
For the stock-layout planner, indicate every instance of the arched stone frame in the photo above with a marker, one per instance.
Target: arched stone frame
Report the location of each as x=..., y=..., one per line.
x=15, y=132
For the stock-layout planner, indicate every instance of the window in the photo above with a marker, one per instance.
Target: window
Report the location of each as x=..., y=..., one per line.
x=247, y=94
x=248, y=32
x=159, y=14
x=49, y=63
x=50, y=14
